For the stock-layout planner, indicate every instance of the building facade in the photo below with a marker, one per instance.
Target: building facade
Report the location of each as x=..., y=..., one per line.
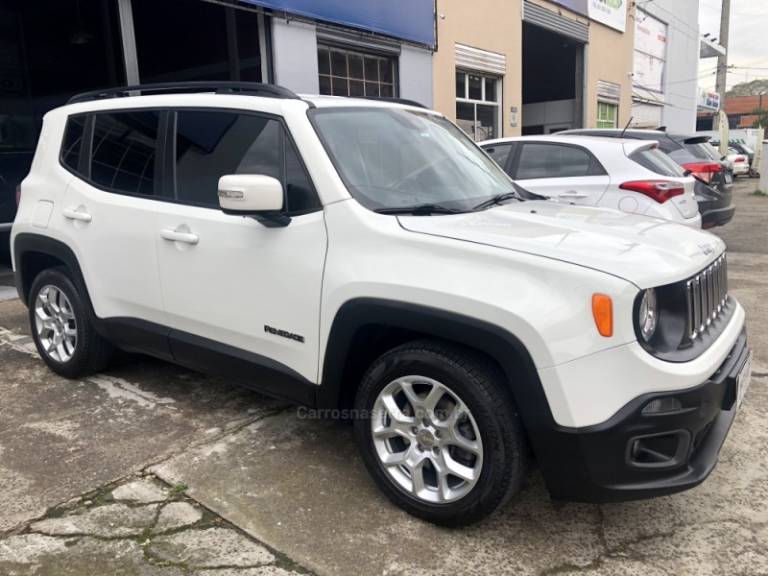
x=52, y=49
x=666, y=65
x=511, y=67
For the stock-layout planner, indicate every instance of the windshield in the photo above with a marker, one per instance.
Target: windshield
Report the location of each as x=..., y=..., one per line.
x=394, y=158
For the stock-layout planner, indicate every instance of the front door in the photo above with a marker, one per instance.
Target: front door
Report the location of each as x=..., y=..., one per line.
x=230, y=283
x=563, y=172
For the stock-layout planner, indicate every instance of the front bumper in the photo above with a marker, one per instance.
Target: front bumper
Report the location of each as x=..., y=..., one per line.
x=602, y=463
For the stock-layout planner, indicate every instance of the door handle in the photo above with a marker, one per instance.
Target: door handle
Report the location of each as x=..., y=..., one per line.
x=573, y=194
x=179, y=236
x=77, y=214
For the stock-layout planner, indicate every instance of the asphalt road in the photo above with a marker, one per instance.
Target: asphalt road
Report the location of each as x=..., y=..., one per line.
x=150, y=469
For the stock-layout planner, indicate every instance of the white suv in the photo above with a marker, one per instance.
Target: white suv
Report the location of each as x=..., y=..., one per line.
x=366, y=259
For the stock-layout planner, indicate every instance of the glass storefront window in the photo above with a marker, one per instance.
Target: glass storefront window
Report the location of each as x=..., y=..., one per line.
x=607, y=115
x=178, y=40
x=478, y=105
x=49, y=50
x=346, y=72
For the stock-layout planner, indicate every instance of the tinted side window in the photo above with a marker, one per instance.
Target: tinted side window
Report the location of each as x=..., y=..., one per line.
x=300, y=194
x=499, y=152
x=124, y=151
x=553, y=161
x=657, y=162
x=211, y=144
x=71, y=146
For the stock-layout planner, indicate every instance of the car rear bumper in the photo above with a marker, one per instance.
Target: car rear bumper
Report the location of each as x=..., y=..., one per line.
x=609, y=462
x=712, y=217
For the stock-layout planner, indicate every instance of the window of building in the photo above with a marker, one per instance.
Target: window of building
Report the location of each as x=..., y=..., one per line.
x=478, y=105
x=554, y=161
x=345, y=72
x=607, y=115
x=179, y=40
x=123, y=151
x=212, y=144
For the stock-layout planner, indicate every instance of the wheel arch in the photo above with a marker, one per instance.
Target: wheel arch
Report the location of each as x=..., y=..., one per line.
x=34, y=253
x=390, y=323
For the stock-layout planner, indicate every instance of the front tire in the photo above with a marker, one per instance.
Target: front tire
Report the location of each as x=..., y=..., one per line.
x=62, y=328
x=440, y=433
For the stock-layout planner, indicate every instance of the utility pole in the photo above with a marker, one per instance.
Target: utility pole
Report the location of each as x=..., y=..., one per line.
x=722, y=60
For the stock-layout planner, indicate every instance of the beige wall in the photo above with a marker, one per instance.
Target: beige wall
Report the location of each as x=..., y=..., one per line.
x=496, y=25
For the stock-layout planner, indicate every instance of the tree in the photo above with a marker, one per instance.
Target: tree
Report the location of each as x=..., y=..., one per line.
x=762, y=117
x=753, y=88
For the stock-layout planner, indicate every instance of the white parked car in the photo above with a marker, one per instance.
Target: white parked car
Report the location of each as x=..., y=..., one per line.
x=367, y=259
x=633, y=176
x=739, y=161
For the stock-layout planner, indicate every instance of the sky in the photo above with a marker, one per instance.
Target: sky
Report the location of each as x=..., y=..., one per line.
x=748, y=46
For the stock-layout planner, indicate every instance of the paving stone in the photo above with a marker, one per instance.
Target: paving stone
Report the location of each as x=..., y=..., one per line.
x=81, y=557
x=112, y=520
x=177, y=514
x=142, y=491
x=210, y=548
x=27, y=548
x=260, y=571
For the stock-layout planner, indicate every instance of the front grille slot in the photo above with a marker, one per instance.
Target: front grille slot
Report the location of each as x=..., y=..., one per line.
x=706, y=296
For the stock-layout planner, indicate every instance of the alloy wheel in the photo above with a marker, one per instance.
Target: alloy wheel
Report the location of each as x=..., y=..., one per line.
x=426, y=439
x=55, y=324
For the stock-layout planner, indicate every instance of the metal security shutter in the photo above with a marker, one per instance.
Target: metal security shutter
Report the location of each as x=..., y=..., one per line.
x=608, y=92
x=535, y=14
x=481, y=60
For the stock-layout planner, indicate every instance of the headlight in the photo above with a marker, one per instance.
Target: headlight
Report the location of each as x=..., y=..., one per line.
x=648, y=315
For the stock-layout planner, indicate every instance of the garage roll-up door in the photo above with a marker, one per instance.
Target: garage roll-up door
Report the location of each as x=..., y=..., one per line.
x=535, y=14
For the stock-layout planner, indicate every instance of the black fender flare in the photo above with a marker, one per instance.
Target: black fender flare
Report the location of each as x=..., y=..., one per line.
x=505, y=348
x=26, y=243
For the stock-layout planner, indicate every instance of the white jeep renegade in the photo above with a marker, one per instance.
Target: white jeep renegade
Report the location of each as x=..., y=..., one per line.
x=366, y=258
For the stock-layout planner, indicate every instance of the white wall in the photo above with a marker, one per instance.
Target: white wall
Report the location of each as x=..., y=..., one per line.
x=550, y=114
x=294, y=49
x=682, y=67
x=416, y=75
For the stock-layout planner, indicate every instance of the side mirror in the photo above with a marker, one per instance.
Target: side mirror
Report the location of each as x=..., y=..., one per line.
x=253, y=195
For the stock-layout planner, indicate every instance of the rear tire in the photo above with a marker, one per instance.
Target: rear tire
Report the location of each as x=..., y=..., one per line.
x=62, y=328
x=455, y=450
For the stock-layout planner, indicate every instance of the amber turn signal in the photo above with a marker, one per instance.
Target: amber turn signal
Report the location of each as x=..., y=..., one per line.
x=602, y=310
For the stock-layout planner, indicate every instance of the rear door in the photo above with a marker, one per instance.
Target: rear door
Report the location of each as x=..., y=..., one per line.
x=563, y=172
x=109, y=210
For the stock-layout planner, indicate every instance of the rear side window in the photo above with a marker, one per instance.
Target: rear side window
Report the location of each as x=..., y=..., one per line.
x=124, y=151
x=499, y=152
x=657, y=162
x=71, y=146
x=212, y=144
x=556, y=161
x=703, y=151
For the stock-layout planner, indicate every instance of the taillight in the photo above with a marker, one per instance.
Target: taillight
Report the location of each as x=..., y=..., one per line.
x=740, y=159
x=658, y=190
x=18, y=195
x=703, y=170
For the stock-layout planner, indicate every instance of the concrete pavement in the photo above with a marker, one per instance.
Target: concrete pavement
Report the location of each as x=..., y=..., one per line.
x=150, y=469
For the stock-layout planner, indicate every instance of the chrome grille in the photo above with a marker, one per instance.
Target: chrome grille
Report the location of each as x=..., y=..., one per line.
x=706, y=296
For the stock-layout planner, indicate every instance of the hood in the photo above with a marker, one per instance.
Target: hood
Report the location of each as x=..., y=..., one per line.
x=645, y=251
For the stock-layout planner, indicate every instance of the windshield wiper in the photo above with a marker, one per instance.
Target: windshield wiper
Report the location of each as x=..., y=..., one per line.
x=497, y=200
x=419, y=210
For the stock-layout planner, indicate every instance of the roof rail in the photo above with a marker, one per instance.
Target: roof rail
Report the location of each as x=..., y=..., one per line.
x=391, y=99
x=247, y=88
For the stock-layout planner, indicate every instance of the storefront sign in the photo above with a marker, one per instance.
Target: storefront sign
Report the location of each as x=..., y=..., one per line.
x=709, y=100
x=412, y=20
x=650, y=52
x=612, y=13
